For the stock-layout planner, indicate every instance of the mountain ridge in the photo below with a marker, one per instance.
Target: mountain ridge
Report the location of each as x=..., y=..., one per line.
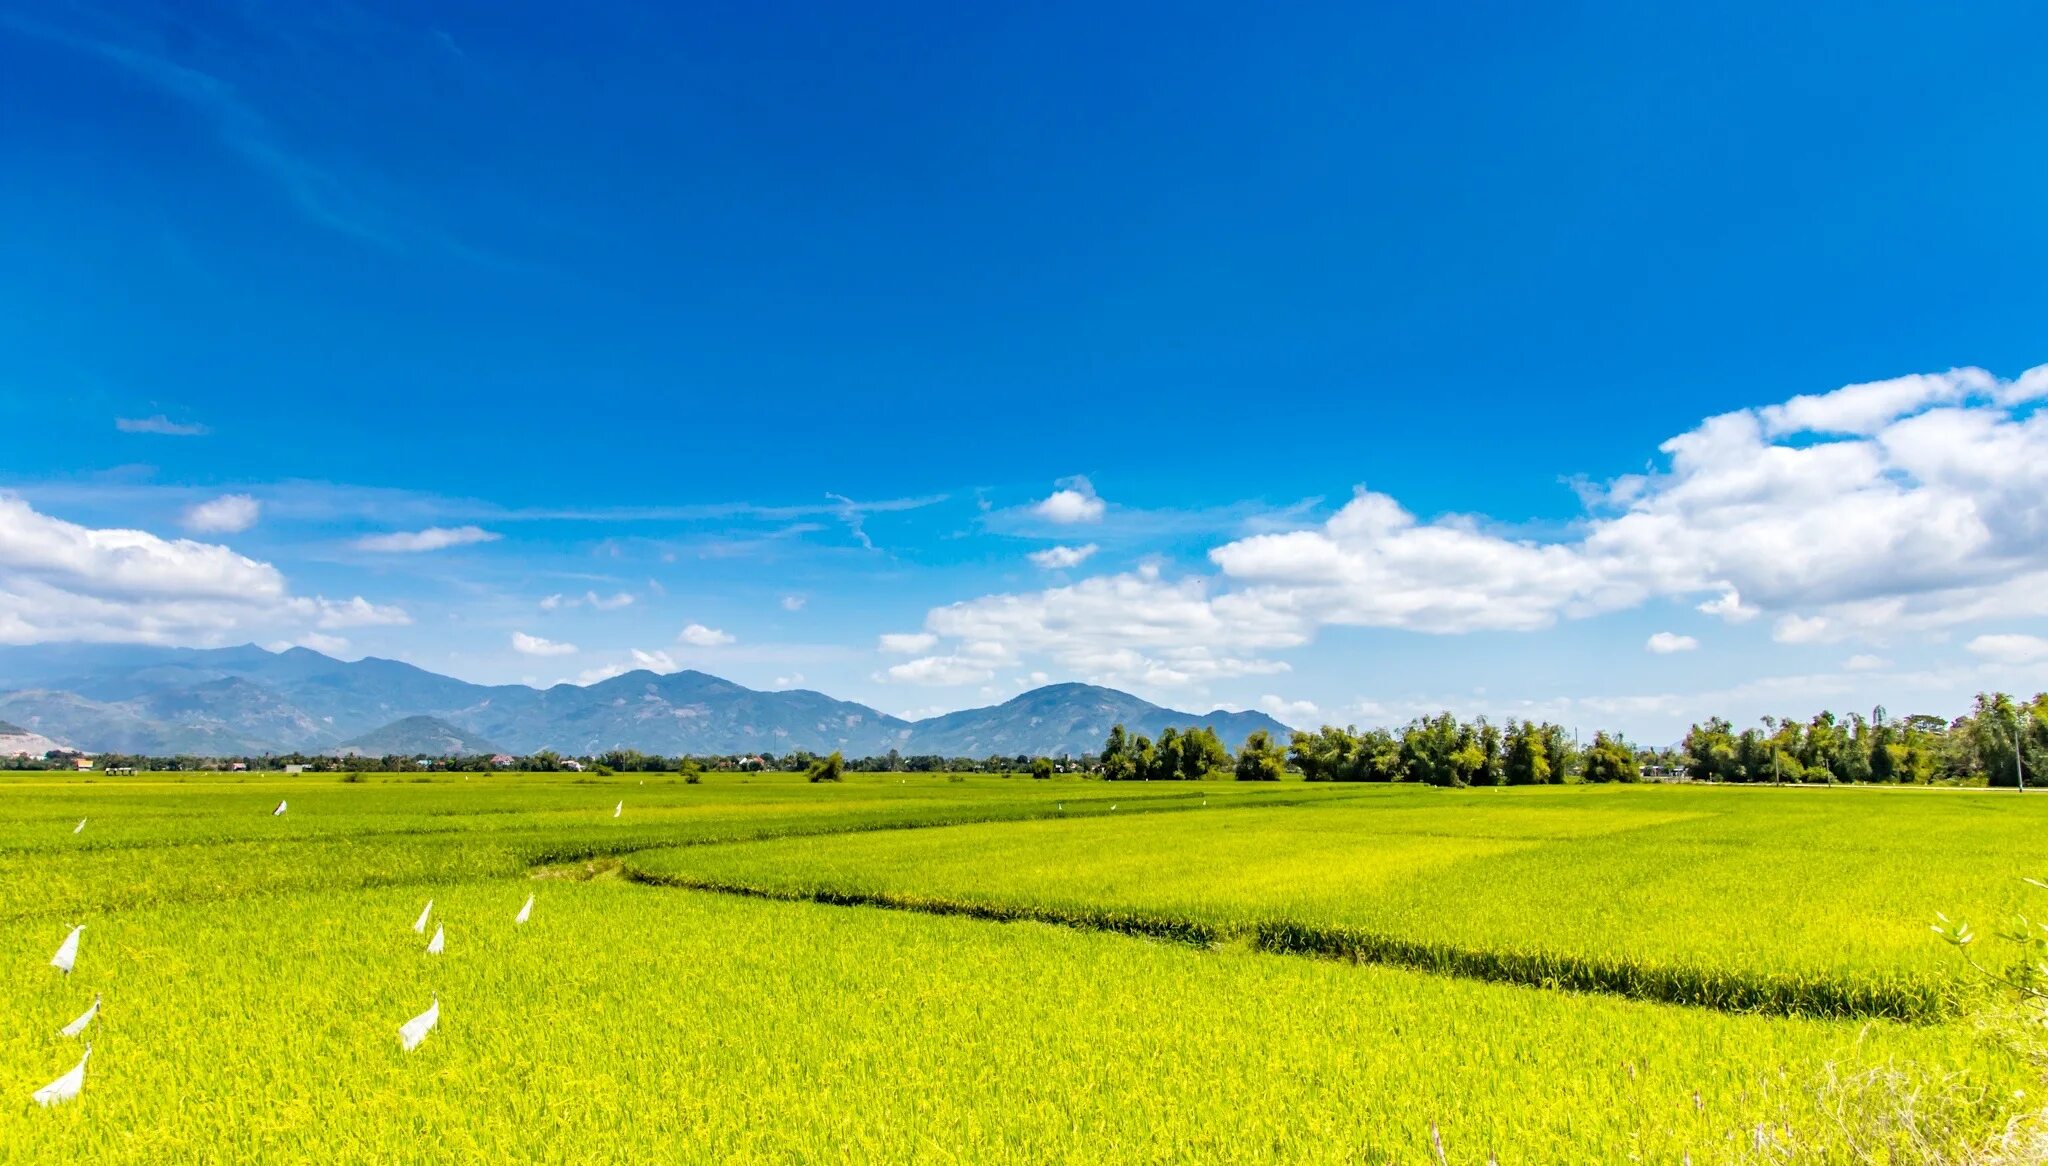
x=247, y=699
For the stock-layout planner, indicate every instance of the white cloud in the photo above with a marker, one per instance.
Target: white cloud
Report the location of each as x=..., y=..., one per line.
x=907, y=643
x=608, y=603
x=63, y=581
x=792, y=603
x=1865, y=409
x=553, y=602
x=1801, y=629
x=1665, y=643
x=602, y=672
x=700, y=636
x=2010, y=648
x=1299, y=714
x=1062, y=558
x=1729, y=606
x=658, y=660
x=1875, y=510
x=321, y=642
x=352, y=613
x=227, y=514
x=1865, y=662
x=1074, y=502
x=160, y=425
x=433, y=538
x=539, y=646
x=790, y=681
x=1134, y=629
x=940, y=671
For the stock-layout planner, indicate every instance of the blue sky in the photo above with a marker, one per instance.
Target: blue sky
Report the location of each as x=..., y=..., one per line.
x=787, y=323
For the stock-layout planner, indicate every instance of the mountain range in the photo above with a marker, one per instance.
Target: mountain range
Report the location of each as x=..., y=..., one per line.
x=247, y=700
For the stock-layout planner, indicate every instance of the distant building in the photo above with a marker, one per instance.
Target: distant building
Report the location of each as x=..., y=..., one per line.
x=81, y=764
x=294, y=769
x=238, y=767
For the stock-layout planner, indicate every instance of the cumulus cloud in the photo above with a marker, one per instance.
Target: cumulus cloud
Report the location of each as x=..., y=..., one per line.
x=939, y=671
x=792, y=603
x=2010, y=648
x=601, y=672
x=227, y=514
x=700, y=636
x=907, y=643
x=1061, y=558
x=63, y=581
x=1665, y=643
x=1729, y=606
x=539, y=646
x=1802, y=629
x=1073, y=502
x=1299, y=714
x=433, y=538
x=1902, y=506
x=161, y=425
x=1865, y=662
x=658, y=660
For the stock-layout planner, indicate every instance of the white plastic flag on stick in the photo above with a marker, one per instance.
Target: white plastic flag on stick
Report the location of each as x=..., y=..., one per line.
x=525, y=912
x=67, y=952
x=439, y=941
x=419, y=925
x=84, y=1018
x=618, y=809
x=279, y=810
x=80, y=828
x=413, y=1031
x=66, y=1087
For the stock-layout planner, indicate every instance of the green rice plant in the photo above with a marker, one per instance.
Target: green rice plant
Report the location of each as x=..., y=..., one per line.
x=626, y=1023
x=1805, y=901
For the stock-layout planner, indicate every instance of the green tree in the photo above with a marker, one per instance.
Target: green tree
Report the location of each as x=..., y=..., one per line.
x=1710, y=752
x=1260, y=759
x=1431, y=750
x=1041, y=768
x=1166, y=759
x=1610, y=759
x=1525, y=762
x=1202, y=753
x=1118, y=760
x=832, y=768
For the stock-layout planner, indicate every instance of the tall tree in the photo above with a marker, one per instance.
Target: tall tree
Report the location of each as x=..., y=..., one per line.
x=1259, y=759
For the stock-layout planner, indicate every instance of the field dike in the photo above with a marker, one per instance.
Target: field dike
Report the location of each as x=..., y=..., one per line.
x=1909, y=1002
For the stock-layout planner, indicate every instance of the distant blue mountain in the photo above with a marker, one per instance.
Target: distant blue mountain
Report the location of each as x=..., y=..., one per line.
x=142, y=699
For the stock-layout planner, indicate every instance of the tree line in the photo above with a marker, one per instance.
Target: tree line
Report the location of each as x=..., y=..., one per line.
x=1997, y=741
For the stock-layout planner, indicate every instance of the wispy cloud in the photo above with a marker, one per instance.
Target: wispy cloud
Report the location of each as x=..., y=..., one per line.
x=1062, y=558
x=239, y=127
x=161, y=425
x=433, y=538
